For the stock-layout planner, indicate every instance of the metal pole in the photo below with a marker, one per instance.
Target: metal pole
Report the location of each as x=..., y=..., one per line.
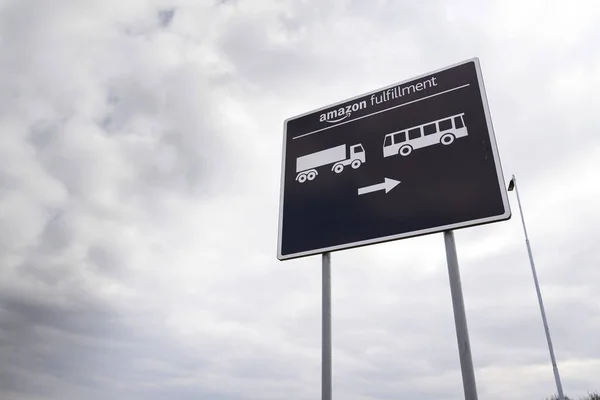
x=460, y=319
x=539, y=296
x=326, y=326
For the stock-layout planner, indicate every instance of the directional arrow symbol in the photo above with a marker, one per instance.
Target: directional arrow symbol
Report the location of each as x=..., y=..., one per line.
x=387, y=185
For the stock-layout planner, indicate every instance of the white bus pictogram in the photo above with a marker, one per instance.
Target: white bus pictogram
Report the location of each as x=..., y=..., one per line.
x=443, y=131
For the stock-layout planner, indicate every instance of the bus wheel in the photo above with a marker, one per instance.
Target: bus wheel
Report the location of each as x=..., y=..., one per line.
x=302, y=178
x=311, y=175
x=337, y=168
x=447, y=139
x=405, y=150
x=355, y=164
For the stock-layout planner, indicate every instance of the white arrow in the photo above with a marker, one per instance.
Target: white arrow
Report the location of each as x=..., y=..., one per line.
x=388, y=184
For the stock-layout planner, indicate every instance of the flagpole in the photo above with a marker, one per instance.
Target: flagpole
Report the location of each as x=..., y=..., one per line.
x=513, y=185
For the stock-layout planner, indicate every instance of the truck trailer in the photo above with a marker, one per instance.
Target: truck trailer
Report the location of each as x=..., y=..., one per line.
x=340, y=156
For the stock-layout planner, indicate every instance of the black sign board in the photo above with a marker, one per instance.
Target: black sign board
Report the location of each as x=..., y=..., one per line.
x=413, y=158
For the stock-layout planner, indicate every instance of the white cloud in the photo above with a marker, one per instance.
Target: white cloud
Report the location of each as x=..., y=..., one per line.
x=139, y=188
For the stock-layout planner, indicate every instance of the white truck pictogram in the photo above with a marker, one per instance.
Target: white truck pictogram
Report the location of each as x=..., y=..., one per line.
x=339, y=156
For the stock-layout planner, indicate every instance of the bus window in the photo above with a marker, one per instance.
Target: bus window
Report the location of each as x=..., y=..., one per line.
x=414, y=133
x=429, y=129
x=458, y=122
x=445, y=125
x=387, y=141
x=400, y=137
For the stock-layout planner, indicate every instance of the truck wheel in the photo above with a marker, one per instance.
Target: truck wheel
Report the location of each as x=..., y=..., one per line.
x=405, y=150
x=311, y=175
x=355, y=164
x=302, y=178
x=337, y=168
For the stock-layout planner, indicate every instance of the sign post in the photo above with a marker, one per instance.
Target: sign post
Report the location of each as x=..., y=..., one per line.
x=326, y=329
x=460, y=319
x=413, y=158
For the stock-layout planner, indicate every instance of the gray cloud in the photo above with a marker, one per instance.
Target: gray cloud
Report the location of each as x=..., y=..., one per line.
x=139, y=173
x=166, y=16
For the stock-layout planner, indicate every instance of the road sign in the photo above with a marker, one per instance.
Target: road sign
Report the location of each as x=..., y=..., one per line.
x=409, y=159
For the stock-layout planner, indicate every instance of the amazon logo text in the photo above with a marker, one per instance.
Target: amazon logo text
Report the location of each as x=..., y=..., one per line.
x=342, y=113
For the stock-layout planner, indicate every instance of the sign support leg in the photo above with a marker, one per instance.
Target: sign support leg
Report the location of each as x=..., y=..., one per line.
x=326, y=329
x=460, y=319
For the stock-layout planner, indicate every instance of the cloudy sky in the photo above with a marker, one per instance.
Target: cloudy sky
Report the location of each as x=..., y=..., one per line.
x=140, y=152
